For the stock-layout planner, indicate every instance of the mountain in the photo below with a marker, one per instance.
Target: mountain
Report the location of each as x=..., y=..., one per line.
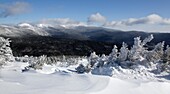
x=78, y=32
x=38, y=39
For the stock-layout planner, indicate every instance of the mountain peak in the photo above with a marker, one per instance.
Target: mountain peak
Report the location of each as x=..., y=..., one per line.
x=25, y=25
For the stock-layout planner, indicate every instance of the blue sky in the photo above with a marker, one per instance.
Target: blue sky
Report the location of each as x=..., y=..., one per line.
x=81, y=10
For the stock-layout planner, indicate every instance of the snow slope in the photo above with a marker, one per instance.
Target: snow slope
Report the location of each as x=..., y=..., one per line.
x=63, y=83
x=56, y=80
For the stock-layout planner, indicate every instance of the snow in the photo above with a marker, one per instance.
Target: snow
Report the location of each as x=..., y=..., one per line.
x=61, y=83
x=27, y=26
x=47, y=69
x=99, y=74
x=43, y=25
x=117, y=86
x=53, y=79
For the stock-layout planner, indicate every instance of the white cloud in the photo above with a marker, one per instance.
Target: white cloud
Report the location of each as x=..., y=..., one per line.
x=151, y=19
x=61, y=21
x=150, y=23
x=96, y=18
x=13, y=9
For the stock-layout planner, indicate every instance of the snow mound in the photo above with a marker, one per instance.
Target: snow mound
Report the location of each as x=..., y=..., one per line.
x=47, y=69
x=66, y=83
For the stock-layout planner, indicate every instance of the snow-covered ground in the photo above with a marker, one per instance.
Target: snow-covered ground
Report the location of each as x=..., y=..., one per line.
x=134, y=71
x=63, y=80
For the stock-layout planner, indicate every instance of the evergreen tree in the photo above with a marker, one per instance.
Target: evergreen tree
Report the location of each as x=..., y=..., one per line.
x=123, y=52
x=39, y=62
x=134, y=53
x=113, y=55
x=158, y=51
x=102, y=61
x=164, y=63
x=93, y=59
x=138, y=51
x=5, y=51
x=166, y=56
x=81, y=68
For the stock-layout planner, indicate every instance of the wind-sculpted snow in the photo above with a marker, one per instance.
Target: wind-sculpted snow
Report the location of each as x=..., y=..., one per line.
x=62, y=82
x=52, y=83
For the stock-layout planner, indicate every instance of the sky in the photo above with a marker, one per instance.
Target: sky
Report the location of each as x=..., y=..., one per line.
x=143, y=15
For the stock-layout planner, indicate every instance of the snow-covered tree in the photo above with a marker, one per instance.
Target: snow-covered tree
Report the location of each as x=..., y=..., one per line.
x=113, y=55
x=123, y=52
x=157, y=53
x=135, y=52
x=102, y=67
x=5, y=51
x=102, y=61
x=166, y=55
x=138, y=50
x=148, y=39
x=163, y=67
x=81, y=68
x=63, y=58
x=93, y=59
x=137, y=55
x=164, y=63
x=39, y=62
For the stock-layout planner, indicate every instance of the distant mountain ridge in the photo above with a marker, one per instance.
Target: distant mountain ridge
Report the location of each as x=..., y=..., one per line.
x=38, y=39
x=75, y=32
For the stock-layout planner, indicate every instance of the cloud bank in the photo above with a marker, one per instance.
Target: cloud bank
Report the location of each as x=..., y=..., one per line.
x=150, y=23
x=13, y=9
x=150, y=19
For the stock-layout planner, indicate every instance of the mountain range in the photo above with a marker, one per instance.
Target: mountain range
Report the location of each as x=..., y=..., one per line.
x=37, y=39
x=74, y=32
